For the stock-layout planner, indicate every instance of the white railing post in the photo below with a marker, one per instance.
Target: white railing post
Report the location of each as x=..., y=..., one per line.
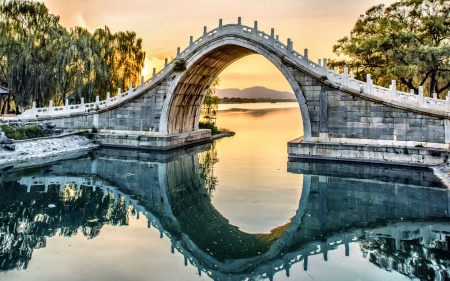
x=108, y=98
x=421, y=99
x=368, y=84
x=166, y=63
x=434, y=95
x=154, y=75
x=325, y=68
x=394, y=90
x=205, y=34
x=272, y=37
x=411, y=91
x=288, y=48
x=66, y=106
x=255, y=30
x=191, y=44
x=130, y=89
x=305, y=58
x=97, y=102
x=219, y=29
x=119, y=94
x=345, y=78
x=239, y=25
x=178, y=52
x=50, y=107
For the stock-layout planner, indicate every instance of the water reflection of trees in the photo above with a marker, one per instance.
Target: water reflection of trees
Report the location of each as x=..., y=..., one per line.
x=413, y=258
x=207, y=160
x=27, y=218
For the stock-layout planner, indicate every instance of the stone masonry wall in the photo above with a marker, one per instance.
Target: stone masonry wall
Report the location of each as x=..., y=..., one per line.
x=341, y=115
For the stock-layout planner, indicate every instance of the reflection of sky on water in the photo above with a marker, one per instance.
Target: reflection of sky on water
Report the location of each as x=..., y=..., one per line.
x=255, y=192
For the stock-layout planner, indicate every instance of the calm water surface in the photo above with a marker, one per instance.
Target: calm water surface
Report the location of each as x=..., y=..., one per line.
x=236, y=209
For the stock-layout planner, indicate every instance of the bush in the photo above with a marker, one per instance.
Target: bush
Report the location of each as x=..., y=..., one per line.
x=179, y=65
x=214, y=129
x=22, y=133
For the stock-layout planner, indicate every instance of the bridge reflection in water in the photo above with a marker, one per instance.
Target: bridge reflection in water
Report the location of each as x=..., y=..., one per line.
x=399, y=217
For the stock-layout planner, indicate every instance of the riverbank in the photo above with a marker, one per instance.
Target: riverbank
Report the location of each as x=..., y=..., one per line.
x=45, y=150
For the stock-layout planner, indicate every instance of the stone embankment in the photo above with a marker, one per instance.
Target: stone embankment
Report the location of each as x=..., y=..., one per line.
x=45, y=150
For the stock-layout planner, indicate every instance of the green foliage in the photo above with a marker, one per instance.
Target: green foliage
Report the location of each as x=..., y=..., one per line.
x=407, y=41
x=214, y=130
x=40, y=60
x=22, y=133
x=179, y=65
x=211, y=101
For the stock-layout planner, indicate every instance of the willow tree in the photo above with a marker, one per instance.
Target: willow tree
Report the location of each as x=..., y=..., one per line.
x=407, y=41
x=41, y=60
x=27, y=34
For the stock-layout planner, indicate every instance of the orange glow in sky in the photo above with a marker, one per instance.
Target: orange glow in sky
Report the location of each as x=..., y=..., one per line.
x=166, y=25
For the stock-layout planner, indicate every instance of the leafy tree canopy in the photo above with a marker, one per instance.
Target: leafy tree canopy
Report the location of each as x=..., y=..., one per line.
x=407, y=41
x=41, y=60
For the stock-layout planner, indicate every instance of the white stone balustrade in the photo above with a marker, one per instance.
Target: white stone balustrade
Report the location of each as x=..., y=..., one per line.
x=271, y=40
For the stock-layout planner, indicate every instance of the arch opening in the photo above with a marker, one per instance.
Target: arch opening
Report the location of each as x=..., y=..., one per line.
x=181, y=111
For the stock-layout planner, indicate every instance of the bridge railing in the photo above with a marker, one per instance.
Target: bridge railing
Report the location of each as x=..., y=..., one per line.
x=272, y=40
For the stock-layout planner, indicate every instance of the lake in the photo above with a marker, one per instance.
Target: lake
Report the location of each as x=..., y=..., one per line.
x=236, y=209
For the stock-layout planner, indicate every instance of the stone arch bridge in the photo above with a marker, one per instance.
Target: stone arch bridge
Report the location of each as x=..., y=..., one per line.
x=342, y=117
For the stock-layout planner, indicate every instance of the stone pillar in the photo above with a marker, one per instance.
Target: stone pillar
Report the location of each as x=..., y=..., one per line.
x=305, y=58
x=255, y=30
x=239, y=25
x=421, y=100
x=50, y=107
x=394, y=90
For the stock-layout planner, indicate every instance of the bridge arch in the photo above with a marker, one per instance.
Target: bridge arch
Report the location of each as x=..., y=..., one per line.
x=181, y=109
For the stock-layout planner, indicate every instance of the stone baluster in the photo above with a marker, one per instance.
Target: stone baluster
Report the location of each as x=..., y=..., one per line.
x=411, y=91
x=142, y=82
x=368, y=84
x=335, y=70
x=191, y=44
x=305, y=58
x=178, y=52
x=272, y=37
x=277, y=37
x=393, y=90
x=420, y=99
x=50, y=107
x=239, y=26
x=154, y=74
x=108, y=98
x=255, y=30
x=319, y=62
x=288, y=48
x=166, y=62
x=130, y=89
x=434, y=95
x=352, y=76
x=324, y=68
x=345, y=77
x=205, y=33
x=119, y=94
x=66, y=106
x=219, y=29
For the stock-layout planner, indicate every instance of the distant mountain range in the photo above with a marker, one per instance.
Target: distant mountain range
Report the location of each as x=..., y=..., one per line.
x=254, y=93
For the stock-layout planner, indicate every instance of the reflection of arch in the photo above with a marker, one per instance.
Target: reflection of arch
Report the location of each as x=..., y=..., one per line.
x=182, y=105
x=176, y=189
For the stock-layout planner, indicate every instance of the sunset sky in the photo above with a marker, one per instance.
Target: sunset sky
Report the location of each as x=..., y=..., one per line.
x=166, y=25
